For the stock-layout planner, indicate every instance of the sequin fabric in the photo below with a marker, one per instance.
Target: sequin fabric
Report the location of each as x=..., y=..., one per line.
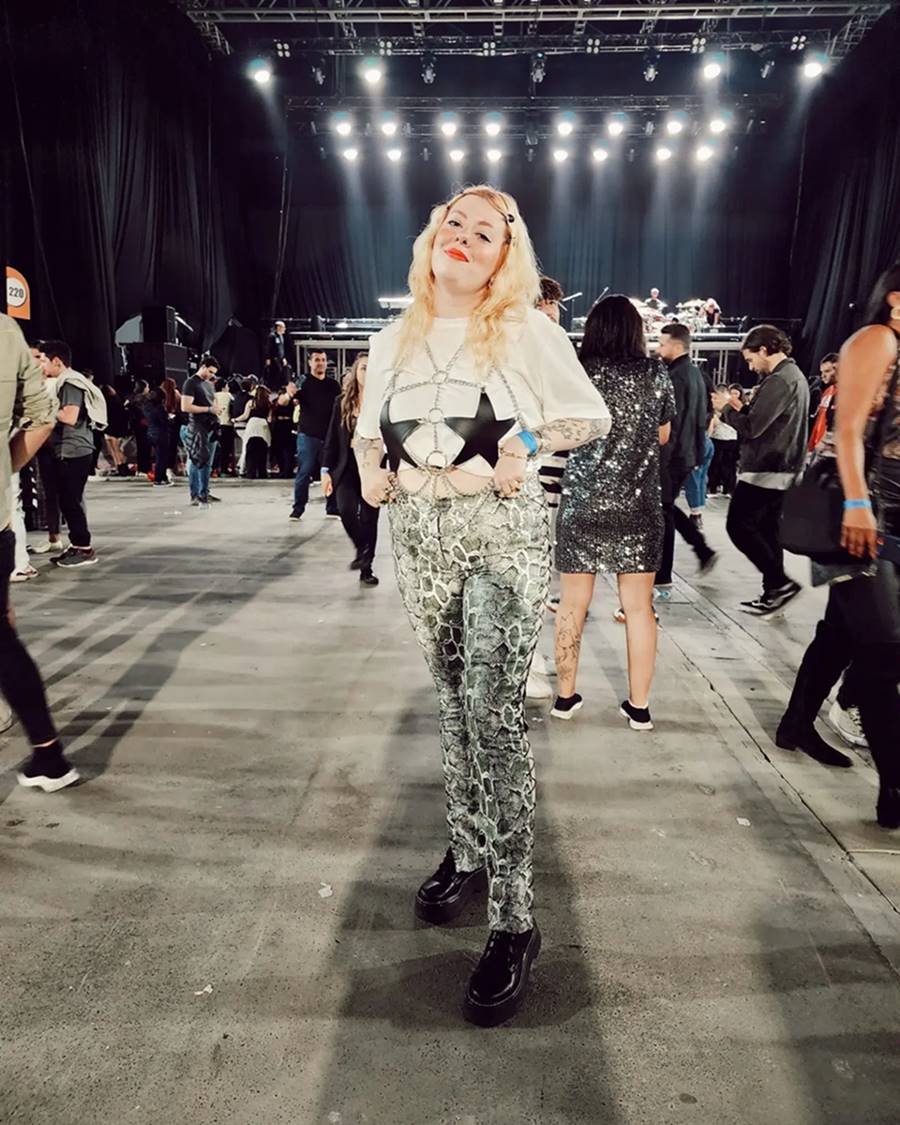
x=610, y=515
x=474, y=573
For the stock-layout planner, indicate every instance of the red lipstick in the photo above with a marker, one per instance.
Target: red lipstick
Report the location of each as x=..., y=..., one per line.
x=453, y=252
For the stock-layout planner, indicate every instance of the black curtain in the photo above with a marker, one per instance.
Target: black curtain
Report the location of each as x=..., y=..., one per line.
x=116, y=195
x=849, y=215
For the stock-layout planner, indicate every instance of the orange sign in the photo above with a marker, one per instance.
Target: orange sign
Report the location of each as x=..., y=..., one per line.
x=18, y=295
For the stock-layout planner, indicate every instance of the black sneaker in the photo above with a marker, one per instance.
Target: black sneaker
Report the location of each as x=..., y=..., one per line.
x=210, y=499
x=566, y=708
x=773, y=600
x=708, y=562
x=356, y=564
x=295, y=515
x=498, y=985
x=76, y=557
x=638, y=717
x=49, y=771
x=367, y=578
x=443, y=895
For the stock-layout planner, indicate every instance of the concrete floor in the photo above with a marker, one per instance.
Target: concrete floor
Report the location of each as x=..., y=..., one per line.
x=216, y=926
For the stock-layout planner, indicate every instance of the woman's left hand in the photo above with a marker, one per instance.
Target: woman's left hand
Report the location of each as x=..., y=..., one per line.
x=509, y=474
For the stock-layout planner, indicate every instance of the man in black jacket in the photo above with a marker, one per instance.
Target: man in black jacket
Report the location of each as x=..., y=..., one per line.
x=278, y=367
x=684, y=450
x=773, y=449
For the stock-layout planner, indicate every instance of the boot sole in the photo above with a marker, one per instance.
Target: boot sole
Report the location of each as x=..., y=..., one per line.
x=490, y=1015
x=49, y=784
x=437, y=913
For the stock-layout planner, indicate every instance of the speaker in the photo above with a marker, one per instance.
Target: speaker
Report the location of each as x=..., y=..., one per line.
x=159, y=325
x=154, y=362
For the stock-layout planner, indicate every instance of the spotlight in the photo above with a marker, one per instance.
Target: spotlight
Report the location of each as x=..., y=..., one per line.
x=538, y=68
x=560, y=155
x=282, y=49
x=389, y=125
x=457, y=155
x=494, y=155
x=663, y=154
x=798, y=43
x=260, y=70
x=372, y=72
x=704, y=153
x=342, y=124
x=449, y=124
x=814, y=65
x=615, y=126
x=394, y=154
x=593, y=47
x=493, y=124
x=719, y=124
x=713, y=67
x=599, y=155
x=428, y=69
x=489, y=48
x=698, y=45
x=385, y=47
x=350, y=154
x=676, y=124
x=651, y=66
x=318, y=71
x=565, y=126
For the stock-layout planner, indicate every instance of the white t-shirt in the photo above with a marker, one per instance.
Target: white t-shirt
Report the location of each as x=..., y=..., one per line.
x=540, y=381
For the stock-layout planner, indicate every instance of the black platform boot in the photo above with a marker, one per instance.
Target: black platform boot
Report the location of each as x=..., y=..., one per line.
x=498, y=985
x=443, y=895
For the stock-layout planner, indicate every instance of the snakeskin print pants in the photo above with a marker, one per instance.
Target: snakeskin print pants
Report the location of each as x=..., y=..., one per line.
x=473, y=573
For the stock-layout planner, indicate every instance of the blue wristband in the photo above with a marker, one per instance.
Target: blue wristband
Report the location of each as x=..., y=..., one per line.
x=529, y=441
x=848, y=504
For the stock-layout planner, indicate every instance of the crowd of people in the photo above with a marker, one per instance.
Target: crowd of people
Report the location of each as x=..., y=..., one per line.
x=502, y=454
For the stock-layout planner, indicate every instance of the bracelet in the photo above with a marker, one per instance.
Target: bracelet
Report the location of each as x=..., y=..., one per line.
x=530, y=442
x=849, y=504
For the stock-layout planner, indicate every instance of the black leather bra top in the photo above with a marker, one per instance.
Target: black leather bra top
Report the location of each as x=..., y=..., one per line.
x=481, y=435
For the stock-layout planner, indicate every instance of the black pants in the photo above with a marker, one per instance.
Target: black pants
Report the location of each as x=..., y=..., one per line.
x=861, y=628
x=672, y=478
x=283, y=445
x=723, y=469
x=20, y=680
x=256, y=459
x=227, y=439
x=71, y=477
x=46, y=461
x=754, y=516
x=360, y=521
x=159, y=439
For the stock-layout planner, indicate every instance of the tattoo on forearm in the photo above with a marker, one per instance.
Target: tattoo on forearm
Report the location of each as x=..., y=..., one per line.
x=569, y=433
x=369, y=451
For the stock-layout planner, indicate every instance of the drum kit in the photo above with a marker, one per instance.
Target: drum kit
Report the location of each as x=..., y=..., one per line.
x=690, y=313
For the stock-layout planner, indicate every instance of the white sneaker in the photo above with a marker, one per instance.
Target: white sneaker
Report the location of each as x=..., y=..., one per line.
x=537, y=687
x=23, y=575
x=48, y=548
x=847, y=724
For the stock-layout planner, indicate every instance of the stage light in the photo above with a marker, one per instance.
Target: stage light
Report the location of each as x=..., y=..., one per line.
x=615, y=126
x=282, y=49
x=494, y=155
x=651, y=66
x=389, y=125
x=371, y=72
x=704, y=153
x=350, y=154
x=565, y=126
x=429, y=69
x=493, y=124
x=260, y=70
x=317, y=69
x=798, y=43
x=676, y=124
x=599, y=154
x=560, y=155
x=698, y=45
x=719, y=123
x=593, y=47
x=663, y=154
x=538, y=68
x=342, y=124
x=394, y=154
x=457, y=155
x=449, y=124
x=814, y=65
x=489, y=48
x=713, y=67
x=385, y=47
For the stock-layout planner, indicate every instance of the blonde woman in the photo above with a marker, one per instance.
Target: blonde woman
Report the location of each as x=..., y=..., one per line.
x=465, y=391
x=340, y=474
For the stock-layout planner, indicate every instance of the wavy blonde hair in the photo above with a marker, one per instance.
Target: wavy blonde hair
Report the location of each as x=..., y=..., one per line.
x=514, y=287
x=351, y=393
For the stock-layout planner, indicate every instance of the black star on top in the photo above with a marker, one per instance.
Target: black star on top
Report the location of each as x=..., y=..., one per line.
x=481, y=434
x=395, y=435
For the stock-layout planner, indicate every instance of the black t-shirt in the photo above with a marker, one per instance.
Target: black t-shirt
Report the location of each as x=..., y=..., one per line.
x=203, y=395
x=316, y=398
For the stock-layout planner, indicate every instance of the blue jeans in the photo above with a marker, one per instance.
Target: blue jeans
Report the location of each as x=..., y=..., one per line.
x=695, y=485
x=198, y=479
x=309, y=462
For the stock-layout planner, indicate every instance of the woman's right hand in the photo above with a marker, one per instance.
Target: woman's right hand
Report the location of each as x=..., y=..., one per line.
x=859, y=533
x=327, y=484
x=378, y=487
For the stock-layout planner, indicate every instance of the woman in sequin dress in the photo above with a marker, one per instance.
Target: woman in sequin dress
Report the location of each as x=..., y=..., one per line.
x=610, y=517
